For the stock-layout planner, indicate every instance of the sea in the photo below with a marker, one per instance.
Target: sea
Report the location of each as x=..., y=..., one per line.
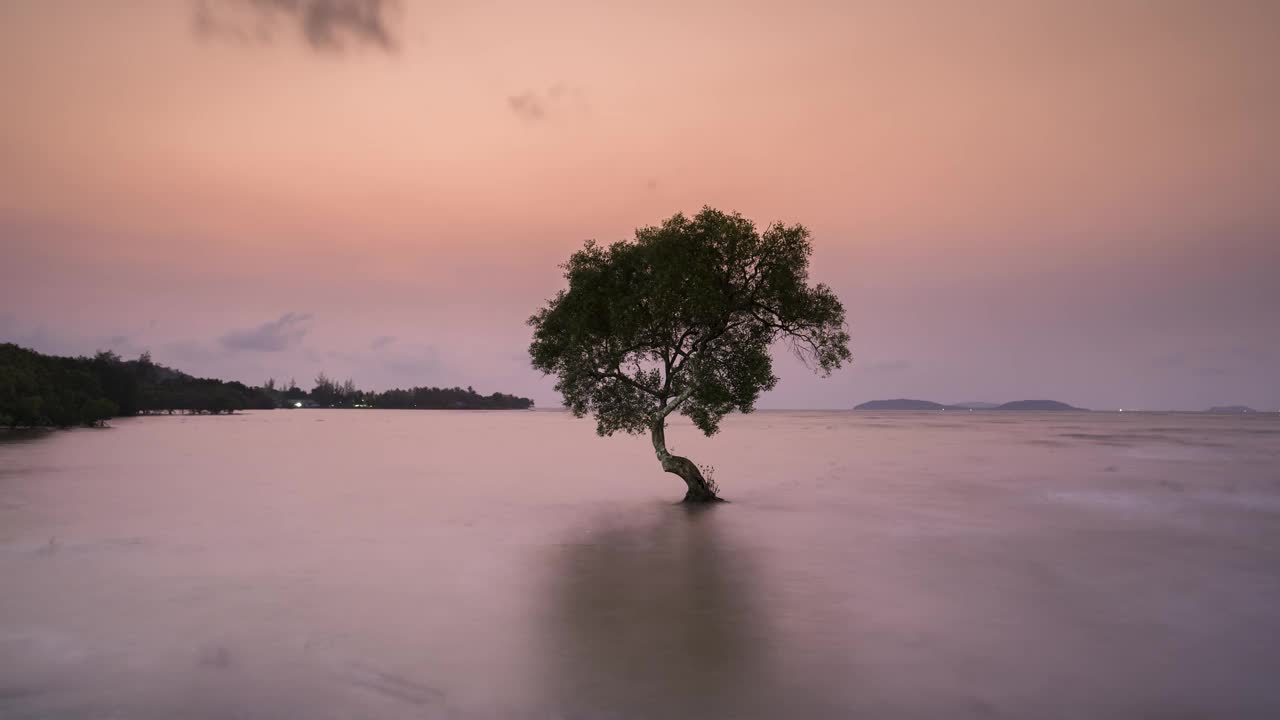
x=513, y=564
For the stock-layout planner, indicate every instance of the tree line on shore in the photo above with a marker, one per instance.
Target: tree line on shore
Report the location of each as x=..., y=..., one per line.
x=38, y=390
x=329, y=393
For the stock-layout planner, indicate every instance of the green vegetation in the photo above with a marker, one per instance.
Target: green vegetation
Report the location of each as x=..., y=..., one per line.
x=681, y=319
x=328, y=393
x=45, y=390
x=48, y=391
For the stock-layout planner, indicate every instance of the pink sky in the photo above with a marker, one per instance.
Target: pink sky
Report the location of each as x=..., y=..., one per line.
x=1078, y=201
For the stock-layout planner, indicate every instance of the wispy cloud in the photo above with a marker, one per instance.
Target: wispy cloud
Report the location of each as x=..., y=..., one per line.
x=329, y=26
x=527, y=106
x=533, y=106
x=381, y=342
x=274, y=336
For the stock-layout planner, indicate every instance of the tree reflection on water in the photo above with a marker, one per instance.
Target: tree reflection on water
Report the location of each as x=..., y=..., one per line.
x=658, y=619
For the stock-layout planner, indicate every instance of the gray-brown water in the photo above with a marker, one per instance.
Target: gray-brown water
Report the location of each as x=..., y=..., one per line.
x=382, y=564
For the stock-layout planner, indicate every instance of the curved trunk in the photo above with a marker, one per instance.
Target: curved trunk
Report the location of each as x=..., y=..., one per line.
x=699, y=490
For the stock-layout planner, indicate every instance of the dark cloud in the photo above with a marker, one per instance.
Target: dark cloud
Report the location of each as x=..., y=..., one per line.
x=528, y=106
x=325, y=25
x=533, y=106
x=275, y=336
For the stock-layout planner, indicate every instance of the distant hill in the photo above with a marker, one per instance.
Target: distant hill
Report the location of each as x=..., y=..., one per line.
x=900, y=404
x=1024, y=405
x=1036, y=405
x=1230, y=409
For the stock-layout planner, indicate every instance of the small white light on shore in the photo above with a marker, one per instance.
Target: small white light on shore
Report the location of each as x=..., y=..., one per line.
x=297, y=404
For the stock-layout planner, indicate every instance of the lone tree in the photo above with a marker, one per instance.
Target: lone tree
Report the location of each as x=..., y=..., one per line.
x=681, y=319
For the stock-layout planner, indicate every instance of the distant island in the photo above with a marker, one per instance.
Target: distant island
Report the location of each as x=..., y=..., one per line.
x=1037, y=405
x=39, y=390
x=1230, y=409
x=900, y=404
x=1016, y=405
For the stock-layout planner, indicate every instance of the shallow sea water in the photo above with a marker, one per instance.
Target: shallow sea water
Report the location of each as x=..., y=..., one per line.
x=384, y=564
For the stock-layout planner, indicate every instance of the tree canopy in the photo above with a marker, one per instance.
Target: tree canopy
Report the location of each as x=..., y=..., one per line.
x=681, y=319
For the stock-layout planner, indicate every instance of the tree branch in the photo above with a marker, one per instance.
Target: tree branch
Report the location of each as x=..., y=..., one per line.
x=666, y=410
x=616, y=375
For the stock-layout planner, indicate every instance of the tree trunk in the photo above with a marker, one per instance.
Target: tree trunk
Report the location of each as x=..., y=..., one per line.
x=699, y=490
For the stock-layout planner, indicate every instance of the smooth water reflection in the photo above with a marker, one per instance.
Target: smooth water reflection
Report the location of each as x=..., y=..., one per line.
x=657, y=618
x=342, y=564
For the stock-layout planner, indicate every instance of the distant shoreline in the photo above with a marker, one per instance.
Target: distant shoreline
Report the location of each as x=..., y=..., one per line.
x=38, y=390
x=1015, y=406
x=912, y=405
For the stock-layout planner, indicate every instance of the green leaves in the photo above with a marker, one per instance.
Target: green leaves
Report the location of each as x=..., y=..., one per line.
x=682, y=318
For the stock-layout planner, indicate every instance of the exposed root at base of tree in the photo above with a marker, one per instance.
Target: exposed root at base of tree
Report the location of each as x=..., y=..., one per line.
x=691, y=499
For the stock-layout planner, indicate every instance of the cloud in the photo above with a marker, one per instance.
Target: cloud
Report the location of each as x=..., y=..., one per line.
x=325, y=25
x=381, y=342
x=274, y=336
x=527, y=106
x=533, y=106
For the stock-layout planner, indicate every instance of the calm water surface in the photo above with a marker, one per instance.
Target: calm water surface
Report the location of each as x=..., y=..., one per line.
x=383, y=564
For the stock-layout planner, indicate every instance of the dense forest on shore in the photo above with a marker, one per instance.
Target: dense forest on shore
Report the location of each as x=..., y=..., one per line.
x=39, y=390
